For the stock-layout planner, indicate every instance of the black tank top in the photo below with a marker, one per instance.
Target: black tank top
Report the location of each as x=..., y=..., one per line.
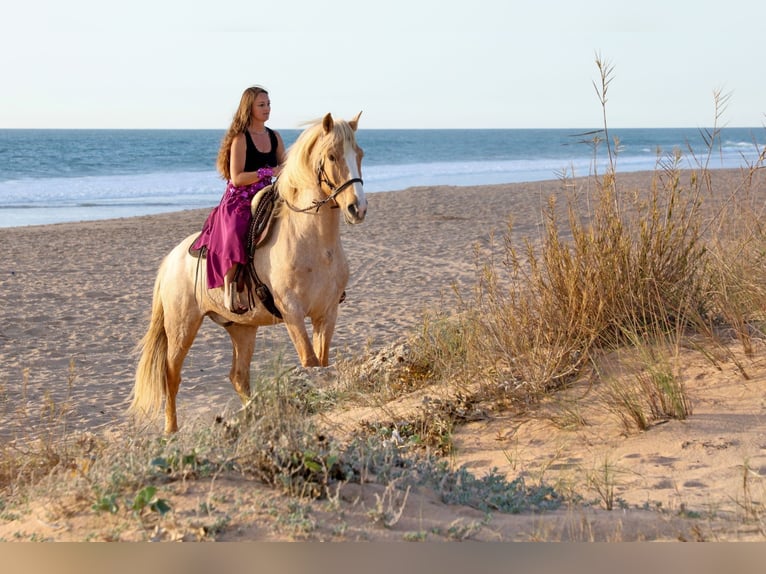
x=255, y=159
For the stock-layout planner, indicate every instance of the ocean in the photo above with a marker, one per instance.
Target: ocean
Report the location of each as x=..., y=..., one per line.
x=53, y=176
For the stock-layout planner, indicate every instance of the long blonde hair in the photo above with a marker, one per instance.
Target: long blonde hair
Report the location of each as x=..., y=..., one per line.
x=239, y=124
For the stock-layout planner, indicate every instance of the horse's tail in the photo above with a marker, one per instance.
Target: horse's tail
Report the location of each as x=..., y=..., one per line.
x=151, y=373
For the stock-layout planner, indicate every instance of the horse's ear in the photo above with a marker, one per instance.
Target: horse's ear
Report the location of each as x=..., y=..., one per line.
x=354, y=123
x=327, y=123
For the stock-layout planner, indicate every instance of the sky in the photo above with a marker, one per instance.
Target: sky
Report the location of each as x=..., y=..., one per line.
x=403, y=63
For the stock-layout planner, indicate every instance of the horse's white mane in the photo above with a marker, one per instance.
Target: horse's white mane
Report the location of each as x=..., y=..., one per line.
x=303, y=156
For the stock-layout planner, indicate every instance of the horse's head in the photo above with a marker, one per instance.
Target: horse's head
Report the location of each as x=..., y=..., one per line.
x=339, y=167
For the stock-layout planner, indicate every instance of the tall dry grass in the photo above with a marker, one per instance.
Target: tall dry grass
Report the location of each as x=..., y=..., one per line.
x=615, y=268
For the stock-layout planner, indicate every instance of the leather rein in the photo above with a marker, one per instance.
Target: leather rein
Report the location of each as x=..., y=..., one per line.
x=323, y=178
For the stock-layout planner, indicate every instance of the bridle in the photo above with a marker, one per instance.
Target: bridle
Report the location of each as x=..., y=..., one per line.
x=323, y=178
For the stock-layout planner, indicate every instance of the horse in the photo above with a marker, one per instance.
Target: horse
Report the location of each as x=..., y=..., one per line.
x=302, y=263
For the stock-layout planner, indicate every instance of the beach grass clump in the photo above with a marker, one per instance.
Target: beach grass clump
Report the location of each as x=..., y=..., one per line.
x=617, y=268
x=737, y=252
x=635, y=265
x=647, y=387
x=634, y=272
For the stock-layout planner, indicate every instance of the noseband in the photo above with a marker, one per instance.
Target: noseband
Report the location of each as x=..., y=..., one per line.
x=323, y=178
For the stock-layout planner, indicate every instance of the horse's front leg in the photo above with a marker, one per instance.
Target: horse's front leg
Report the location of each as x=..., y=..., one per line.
x=243, y=345
x=323, y=328
x=296, y=329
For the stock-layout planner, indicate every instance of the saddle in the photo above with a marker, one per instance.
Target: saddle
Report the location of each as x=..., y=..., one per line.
x=246, y=277
x=261, y=209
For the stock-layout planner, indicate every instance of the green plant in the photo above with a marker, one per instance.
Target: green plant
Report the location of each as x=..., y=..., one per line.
x=627, y=401
x=493, y=493
x=603, y=481
x=147, y=498
x=298, y=520
x=418, y=536
x=666, y=394
x=107, y=503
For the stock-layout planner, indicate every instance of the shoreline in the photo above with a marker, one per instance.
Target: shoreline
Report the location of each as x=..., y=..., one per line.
x=34, y=216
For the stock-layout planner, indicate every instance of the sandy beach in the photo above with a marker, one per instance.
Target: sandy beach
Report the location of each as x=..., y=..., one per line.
x=75, y=297
x=75, y=300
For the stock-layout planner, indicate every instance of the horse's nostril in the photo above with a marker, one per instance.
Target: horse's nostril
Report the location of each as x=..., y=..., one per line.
x=352, y=210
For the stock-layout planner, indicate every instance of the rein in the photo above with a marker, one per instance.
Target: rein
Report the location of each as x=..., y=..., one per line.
x=336, y=190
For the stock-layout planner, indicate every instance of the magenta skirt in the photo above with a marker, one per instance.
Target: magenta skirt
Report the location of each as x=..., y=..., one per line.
x=225, y=231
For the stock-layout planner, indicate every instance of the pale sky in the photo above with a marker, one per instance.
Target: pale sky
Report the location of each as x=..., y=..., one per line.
x=405, y=63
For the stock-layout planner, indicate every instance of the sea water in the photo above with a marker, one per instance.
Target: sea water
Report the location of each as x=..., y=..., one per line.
x=51, y=176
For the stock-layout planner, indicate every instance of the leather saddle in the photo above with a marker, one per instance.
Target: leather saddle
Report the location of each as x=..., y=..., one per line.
x=246, y=277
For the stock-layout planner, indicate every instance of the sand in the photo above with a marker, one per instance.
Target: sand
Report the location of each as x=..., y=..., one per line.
x=75, y=297
x=75, y=300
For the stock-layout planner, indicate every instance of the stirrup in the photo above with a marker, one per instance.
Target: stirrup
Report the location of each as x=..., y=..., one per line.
x=232, y=302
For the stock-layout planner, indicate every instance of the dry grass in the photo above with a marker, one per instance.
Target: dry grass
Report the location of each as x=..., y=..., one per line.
x=650, y=270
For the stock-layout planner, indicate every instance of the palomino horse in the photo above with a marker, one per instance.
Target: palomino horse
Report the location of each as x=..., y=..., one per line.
x=302, y=263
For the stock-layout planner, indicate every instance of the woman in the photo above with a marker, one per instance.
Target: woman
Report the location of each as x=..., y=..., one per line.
x=250, y=155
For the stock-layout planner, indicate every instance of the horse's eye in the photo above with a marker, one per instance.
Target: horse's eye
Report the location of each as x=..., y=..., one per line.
x=331, y=157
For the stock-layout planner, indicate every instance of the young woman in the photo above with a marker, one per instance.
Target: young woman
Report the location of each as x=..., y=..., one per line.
x=250, y=155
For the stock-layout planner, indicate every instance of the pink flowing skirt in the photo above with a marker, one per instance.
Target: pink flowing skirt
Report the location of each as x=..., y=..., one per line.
x=225, y=231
